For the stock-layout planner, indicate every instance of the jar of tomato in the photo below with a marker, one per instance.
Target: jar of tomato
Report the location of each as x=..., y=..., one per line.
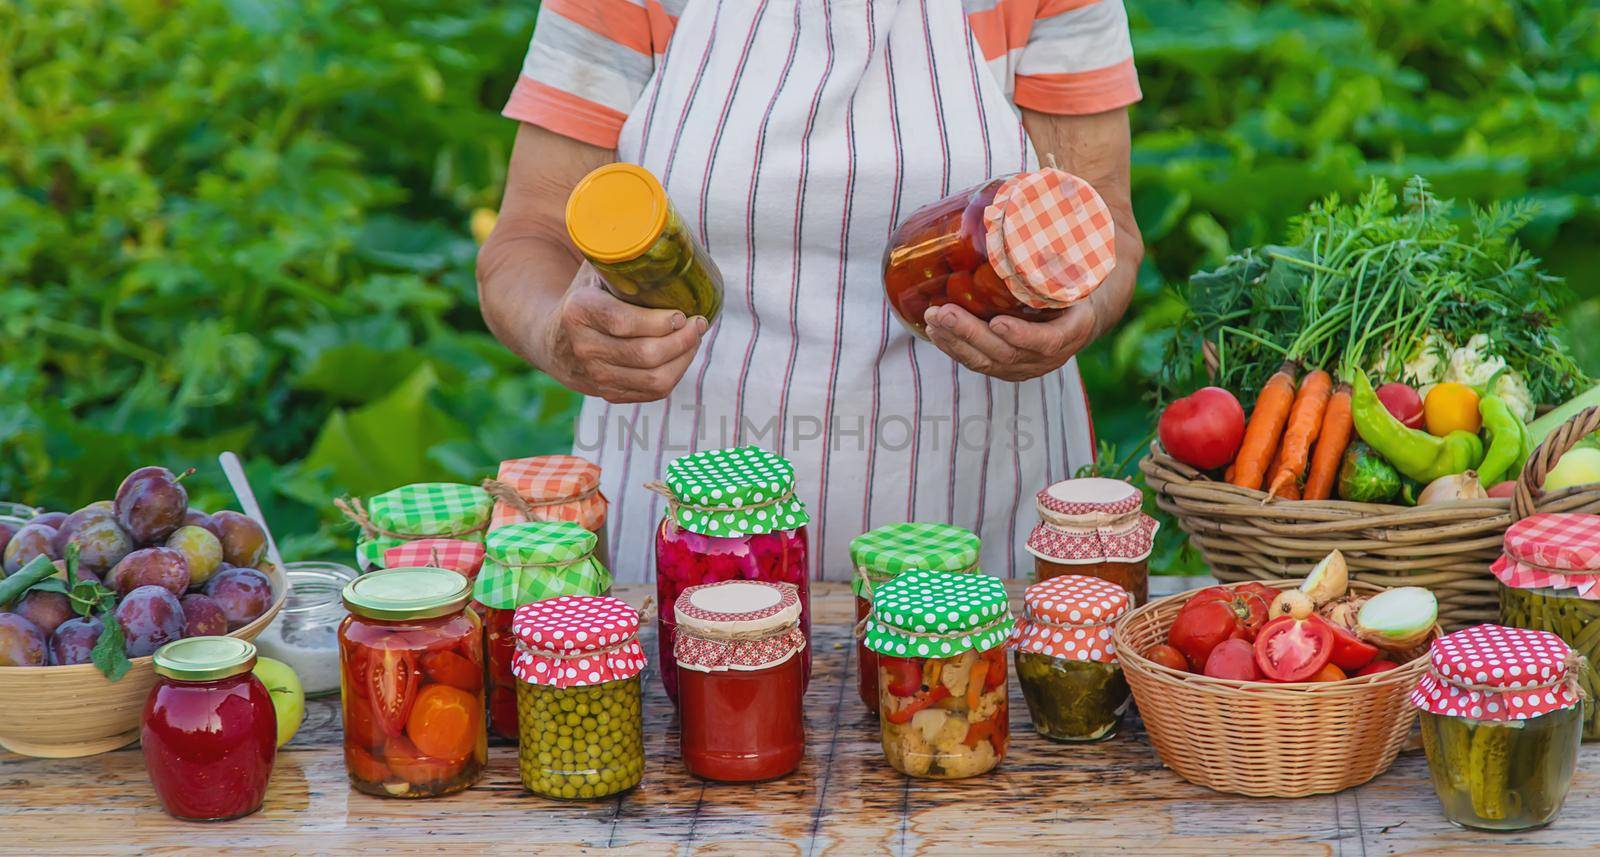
x=941, y=641
x=1026, y=245
x=412, y=693
x=527, y=563
x=879, y=556
x=731, y=515
x=738, y=648
x=550, y=488
x=1066, y=661
x=1094, y=527
x=209, y=731
x=578, y=696
x=620, y=219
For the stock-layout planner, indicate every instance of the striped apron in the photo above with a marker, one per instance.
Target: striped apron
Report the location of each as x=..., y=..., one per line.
x=794, y=135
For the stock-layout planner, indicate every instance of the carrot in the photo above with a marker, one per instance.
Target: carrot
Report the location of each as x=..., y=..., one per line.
x=1305, y=420
x=1262, y=431
x=975, y=682
x=1331, y=444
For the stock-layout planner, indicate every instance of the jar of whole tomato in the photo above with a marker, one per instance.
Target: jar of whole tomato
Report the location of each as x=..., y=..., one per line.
x=412, y=694
x=209, y=732
x=731, y=515
x=879, y=556
x=1026, y=245
x=940, y=638
x=550, y=488
x=527, y=563
x=741, y=681
x=1095, y=527
x=1066, y=660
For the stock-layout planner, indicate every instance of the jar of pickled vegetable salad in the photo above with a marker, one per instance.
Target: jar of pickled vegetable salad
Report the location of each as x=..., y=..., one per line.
x=578, y=696
x=940, y=638
x=1094, y=527
x=422, y=510
x=1066, y=660
x=882, y=554
x=1502, y=718
x=731, y=515
x=550, y=488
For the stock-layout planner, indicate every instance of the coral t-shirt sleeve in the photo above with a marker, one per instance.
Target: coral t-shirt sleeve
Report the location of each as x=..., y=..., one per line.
x=1078, y=59
x=587, y=65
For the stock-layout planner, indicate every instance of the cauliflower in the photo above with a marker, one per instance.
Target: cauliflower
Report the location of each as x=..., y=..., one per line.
x=1473, y=364
x=1425, y=364
x=905, y=749
x=988, y=704
x=1511, y=389
x=957, y=672
x=969, y=762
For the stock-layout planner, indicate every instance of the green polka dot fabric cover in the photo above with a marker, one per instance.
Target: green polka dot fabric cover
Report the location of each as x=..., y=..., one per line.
x=938, y=614
x=888, y=551
x=530, y=562
x=423, y=510
x=734, y=492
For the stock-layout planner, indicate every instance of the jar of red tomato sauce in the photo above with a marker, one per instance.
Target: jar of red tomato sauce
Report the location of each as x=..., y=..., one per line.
x=1097, y=528
x=731, y=515
x=741, y=680
x=882, y=554
x=412, y=684
x=1026, y=245
x=209, y=731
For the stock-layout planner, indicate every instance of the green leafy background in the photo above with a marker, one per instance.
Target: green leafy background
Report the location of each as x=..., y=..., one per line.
x=243, y=224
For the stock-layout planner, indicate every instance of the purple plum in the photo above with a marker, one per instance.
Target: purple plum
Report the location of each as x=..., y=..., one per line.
x=21, y=642
x=243, y=540
x=150, y=504
x=151, y=617
x=73, y=642
x=242, y=593
x=46, y=610
x=163, y=567
x=202, y=616
x=32, y=540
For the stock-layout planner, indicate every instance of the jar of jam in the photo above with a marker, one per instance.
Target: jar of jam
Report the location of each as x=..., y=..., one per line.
x=1502, y=718
x=731, y=515
x=527, y=563
x=1066, y=661
x=740, y=680
x=551, y=488
x=879, y=556
x=940, y=638
x=1094, y=527
x=1026, y=245
x=579, y=696
x=209, y=731
x=620, y=219
x=412, y=693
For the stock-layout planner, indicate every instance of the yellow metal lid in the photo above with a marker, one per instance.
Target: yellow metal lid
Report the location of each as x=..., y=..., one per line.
x=205, y=658
x=397, y=594
x=616, y=212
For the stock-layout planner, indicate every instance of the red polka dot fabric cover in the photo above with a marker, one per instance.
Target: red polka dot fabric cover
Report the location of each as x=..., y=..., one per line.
x=764, y=617
x=1495, y=673
x=559, y=641
x=1071, y=617
x=455, y=554
x=1553, y=551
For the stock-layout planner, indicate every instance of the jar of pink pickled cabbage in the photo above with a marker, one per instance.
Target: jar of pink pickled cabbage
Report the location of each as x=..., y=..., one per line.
x=731, y=515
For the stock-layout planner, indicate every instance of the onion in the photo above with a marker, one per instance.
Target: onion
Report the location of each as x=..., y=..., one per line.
x=1398, y=620
x=1460, y=486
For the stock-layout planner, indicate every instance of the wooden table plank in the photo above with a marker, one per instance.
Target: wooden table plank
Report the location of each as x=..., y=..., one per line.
x=1112, y=797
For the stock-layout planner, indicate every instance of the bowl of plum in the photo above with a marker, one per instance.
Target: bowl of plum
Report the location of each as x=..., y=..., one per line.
x=86, y=598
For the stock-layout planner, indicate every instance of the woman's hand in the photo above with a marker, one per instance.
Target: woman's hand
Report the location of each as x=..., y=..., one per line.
x=601, y=346
x=1008, y=348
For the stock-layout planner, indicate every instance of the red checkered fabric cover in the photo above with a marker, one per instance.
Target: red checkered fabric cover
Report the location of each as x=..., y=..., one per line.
x=1050, y=237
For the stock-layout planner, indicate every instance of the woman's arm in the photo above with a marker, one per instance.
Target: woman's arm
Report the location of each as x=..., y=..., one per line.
x=543, y=302
x=1095, y=148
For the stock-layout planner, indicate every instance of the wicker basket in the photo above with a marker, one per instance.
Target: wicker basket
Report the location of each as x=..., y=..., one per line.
x=1261, y=739
x=1244, y=534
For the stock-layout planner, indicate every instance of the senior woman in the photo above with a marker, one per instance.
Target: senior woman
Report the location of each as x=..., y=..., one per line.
x=793, y=135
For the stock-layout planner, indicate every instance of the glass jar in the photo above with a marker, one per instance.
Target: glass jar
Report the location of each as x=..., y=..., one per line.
x=422, y=510
x=1094, y=527
x=754, y=529
x=412, y=677
x=305, y=634
x=551, y=488
x=881, y=554
x=526, y=563
x=1001, y=248
x=579, y=697
x=940, y=638
x=1501, y=711
x=209, y=732
x=1066, y=661
x=740, y=680
x=620, y=219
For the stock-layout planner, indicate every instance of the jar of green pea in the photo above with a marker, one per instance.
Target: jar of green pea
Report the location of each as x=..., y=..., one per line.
x=579, y=699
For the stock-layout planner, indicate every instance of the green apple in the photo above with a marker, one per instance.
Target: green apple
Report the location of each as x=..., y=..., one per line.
x=1580, y=466
x=288, y=697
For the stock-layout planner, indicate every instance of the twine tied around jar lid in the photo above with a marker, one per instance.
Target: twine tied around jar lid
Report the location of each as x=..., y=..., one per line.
x=505, y=493
x=356, y=513
x=674, y=502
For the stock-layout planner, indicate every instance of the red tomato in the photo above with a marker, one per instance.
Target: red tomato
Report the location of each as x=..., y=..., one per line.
x=359, y=724
x=1199, y=628
x=1349, y=652
x=1329, y=672
x=1290, y=649
x=995, y=675
x=1204, y=429
x=444, y=722
x=1249, y=603
x=1377, y=667
x=417, y=768
x=1403, y=402
x=905, y=675
x=959, y=287
x=1503, y=489
x=453, y=669
x=1167, y=656
x=364, y=766
x=391, y=680
x=1233, y=659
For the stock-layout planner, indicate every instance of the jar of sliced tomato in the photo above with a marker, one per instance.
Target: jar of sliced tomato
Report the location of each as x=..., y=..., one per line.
x=1026, y=245
x=1094, y=527
x=412, y=684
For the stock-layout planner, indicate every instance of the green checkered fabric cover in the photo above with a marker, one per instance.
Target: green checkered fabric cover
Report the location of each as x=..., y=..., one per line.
x=890, y=550
x=424, y=510
x=530, y=562
x=937, y=614
x=734, y=492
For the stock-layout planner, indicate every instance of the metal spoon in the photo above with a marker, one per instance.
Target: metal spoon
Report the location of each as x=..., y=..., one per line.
x=234, y=470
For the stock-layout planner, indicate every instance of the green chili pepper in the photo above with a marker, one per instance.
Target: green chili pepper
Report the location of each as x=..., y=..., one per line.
x=1507, y=442
x=1416, y=454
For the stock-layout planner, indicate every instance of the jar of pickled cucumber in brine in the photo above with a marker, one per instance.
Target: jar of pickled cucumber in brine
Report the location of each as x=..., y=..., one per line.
x=1502, y=717
x=578, y=696
x=1066, y=660
x=620, y=219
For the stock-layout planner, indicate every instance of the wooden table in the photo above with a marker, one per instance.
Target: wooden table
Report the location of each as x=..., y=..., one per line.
x=1107, y=798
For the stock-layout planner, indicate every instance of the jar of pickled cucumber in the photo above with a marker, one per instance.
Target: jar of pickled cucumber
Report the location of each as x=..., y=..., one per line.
x=1094, y=527
x=1066, y=660
x=1550, y=581
x=579, y=702
x=1501, y=713
x=620, y=219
